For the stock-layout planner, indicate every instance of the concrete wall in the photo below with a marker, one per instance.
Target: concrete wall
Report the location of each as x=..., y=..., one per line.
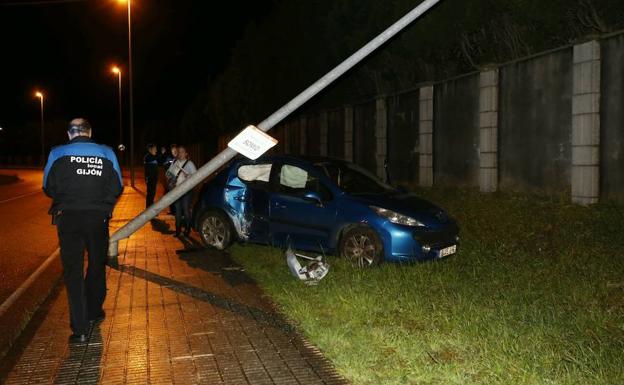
x=364, y=141
x=456, y=132
x=612, y=121
x=403, y=138
x=313, y=135
x=535, y=123
x=550, y=123
x=336, y=133
x=293, y=136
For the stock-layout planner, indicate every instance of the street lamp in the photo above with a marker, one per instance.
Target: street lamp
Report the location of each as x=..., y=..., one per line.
x=129, y=2
x=117, y=72
x=39, y=94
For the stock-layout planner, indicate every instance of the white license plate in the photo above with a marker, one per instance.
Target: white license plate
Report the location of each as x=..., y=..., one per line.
x=447, y=251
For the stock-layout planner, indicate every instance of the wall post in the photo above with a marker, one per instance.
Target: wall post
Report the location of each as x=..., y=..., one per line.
x=381, y=128
x=348, y=133
x=488, y=130
x=586, y=123
x=425, y=175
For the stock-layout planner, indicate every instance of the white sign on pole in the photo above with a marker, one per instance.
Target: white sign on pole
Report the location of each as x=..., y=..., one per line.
x=252, y=142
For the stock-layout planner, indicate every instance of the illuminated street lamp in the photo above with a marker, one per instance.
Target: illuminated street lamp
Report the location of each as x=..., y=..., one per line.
x=129, y=2
x=117, y=72
x=39, y=94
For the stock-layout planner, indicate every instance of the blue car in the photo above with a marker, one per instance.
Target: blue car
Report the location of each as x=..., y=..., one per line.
x=323, y=205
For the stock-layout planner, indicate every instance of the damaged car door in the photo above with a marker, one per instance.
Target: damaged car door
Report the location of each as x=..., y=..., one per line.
x=247, y=194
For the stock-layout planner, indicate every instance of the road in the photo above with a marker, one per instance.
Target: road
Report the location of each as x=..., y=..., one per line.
x=27, y=237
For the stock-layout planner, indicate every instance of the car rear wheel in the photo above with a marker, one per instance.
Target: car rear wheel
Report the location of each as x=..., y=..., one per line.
x=362, y=247
x=215, y=230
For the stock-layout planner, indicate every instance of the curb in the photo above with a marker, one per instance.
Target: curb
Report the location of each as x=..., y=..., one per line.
x=17, y=310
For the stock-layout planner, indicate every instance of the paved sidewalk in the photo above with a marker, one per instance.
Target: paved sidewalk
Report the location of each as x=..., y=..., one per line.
x=176, y=314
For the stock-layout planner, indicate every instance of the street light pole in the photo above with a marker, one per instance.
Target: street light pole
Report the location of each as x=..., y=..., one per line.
x=130, y=96
x=39, y=94
x=117, y=72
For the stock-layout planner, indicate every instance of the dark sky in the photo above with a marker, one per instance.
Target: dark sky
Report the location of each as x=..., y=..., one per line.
x=67, y=49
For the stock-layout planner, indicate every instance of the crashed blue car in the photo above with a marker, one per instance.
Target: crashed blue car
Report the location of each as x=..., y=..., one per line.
x=322, y=205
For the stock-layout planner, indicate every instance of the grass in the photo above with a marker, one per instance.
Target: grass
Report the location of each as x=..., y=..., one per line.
x=534, y=296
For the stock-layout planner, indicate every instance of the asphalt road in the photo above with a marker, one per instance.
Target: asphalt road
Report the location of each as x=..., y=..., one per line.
x=27, y=237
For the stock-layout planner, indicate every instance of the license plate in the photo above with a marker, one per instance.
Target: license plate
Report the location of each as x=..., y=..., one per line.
x=447, y=251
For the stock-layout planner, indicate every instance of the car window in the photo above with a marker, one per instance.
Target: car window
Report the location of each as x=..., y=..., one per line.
x=255, y=174
x=353, y=179
x=296, y=181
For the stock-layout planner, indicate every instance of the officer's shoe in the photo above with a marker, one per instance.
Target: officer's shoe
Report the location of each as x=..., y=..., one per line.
x=97, y=319
x=78, y=338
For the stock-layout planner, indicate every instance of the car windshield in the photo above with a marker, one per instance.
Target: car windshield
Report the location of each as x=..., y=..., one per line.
x=353, y=179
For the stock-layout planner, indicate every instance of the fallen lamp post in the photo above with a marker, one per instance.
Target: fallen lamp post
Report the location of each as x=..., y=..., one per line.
x=226, y=155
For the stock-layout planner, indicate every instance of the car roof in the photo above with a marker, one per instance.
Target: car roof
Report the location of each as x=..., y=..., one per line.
x=312, y=159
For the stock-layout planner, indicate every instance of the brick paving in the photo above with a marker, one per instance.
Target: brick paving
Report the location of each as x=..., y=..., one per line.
x=176, y=314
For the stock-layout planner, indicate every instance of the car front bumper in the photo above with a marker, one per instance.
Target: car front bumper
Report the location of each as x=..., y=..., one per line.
x=406, y=244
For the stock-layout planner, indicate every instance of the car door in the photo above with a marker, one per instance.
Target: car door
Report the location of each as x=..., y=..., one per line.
x=295, y=218
x=247, y=194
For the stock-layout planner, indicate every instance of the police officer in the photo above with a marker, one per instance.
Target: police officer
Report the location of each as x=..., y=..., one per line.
x=151, y=161
x=84, y=181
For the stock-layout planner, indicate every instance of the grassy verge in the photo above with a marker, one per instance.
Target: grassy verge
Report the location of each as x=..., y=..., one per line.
x=535, y=296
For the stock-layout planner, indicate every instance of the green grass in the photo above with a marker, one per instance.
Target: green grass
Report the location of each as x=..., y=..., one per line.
x=534, y=296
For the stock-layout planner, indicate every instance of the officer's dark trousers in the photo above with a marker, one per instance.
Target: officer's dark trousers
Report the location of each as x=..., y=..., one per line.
x=151, y=182
x=78, y=230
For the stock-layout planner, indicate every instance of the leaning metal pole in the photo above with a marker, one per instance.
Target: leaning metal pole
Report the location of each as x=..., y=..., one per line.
x=226, y=155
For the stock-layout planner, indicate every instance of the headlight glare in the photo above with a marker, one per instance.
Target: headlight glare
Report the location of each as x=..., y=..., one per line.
x=397, y=218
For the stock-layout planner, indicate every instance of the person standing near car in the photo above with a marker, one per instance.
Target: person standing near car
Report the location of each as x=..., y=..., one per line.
x=84, y=180
x=168, y=159
x=178, y=172
x=150, y=165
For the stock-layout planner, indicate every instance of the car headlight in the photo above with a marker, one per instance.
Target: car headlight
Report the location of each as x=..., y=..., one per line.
x=397, y=218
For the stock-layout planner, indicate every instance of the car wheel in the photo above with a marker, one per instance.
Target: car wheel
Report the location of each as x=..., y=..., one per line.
x=361, y=246
x=215, y=230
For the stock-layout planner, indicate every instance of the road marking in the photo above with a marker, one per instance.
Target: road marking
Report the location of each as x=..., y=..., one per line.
x=20, y=196
x=27, y=283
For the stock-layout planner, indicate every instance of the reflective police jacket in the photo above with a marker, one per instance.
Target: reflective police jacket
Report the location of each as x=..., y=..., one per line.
x=82, y=175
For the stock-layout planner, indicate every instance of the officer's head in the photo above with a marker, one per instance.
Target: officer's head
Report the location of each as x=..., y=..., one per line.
x=79, y=127
x=152, y=149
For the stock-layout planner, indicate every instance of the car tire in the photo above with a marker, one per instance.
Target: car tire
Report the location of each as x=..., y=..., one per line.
x=215, y=230
x=361, y=246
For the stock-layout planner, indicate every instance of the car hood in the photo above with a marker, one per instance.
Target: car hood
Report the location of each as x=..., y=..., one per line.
x=406, y=204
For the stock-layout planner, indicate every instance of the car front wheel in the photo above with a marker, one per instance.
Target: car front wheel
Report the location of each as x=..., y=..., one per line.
x=215, y=230
x=361, y=246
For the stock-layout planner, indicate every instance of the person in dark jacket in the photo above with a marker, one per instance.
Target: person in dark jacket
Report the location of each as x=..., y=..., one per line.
x=151, y=162
x=83, y=179
x=167, y=160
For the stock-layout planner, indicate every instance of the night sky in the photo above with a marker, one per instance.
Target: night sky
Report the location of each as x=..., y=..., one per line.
x=66, y=49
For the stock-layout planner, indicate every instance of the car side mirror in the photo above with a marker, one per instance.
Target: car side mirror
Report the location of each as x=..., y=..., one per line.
x=313, y=197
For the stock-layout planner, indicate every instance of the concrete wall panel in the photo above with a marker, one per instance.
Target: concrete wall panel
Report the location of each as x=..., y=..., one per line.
x=535, y=124
x=456, y=132
x=612, y=120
